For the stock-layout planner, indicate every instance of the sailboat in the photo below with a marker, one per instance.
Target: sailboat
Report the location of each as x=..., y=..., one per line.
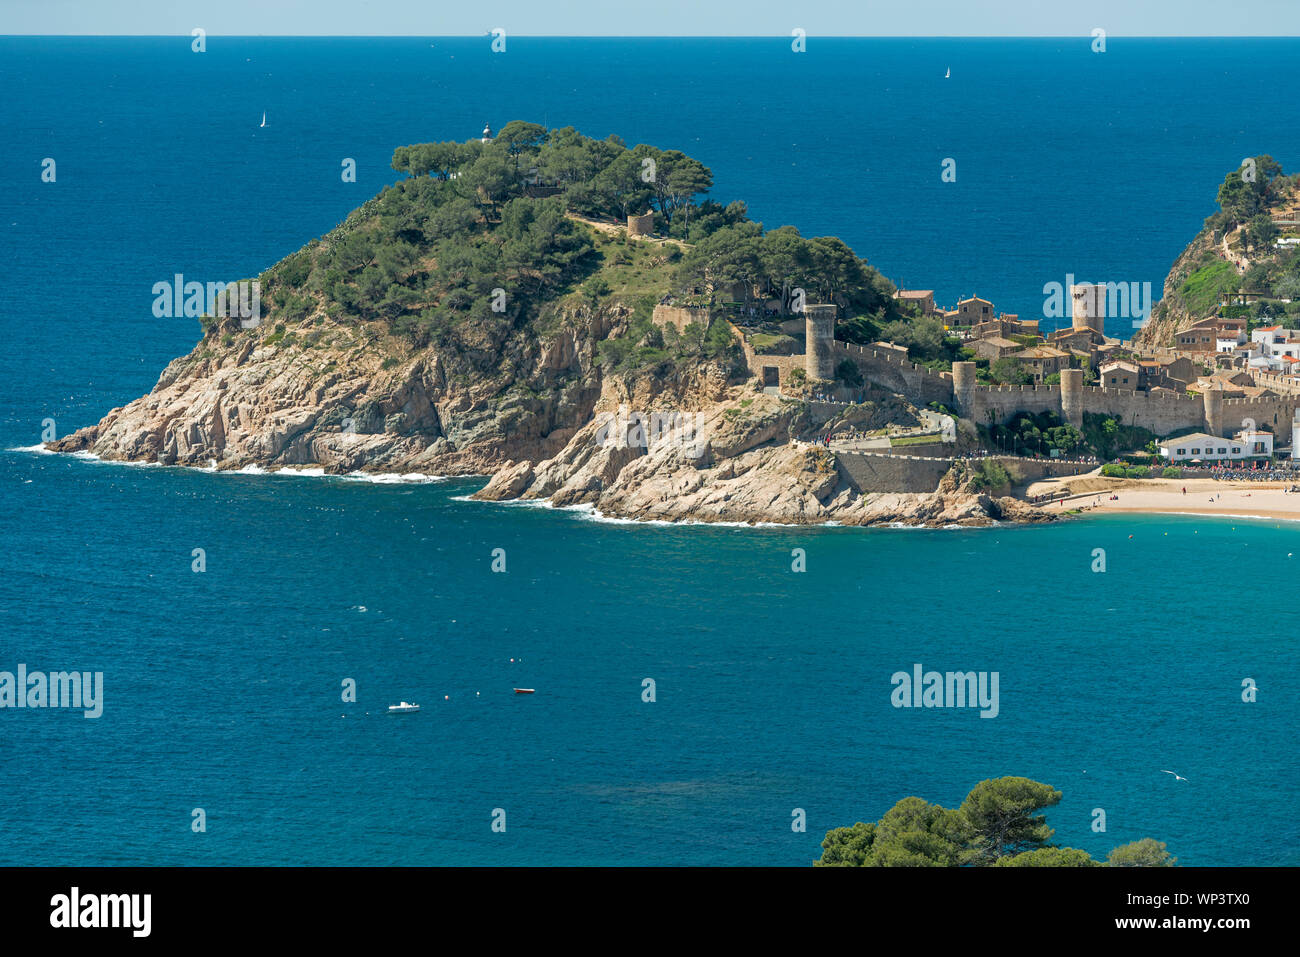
x=945, y=76
x=263, y=118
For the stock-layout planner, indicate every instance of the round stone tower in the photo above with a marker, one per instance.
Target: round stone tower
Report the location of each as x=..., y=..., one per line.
x=963, y=388
x=819, y=356
x=1088, y=307
x=1072, y=397
x=1213, y=399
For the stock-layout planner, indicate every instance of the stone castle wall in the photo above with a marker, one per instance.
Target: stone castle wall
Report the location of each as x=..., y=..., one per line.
x=866, y=473
x=679, y=317
x=1158, y=412
x=894, y=371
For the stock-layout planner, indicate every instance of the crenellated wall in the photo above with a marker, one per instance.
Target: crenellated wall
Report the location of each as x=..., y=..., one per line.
x=894, y=371
x=1158, y=412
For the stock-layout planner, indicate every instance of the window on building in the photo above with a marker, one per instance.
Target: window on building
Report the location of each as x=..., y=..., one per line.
x=1180, y=451
x=1196, y=451
x=1221, y=451
x=1236, y=451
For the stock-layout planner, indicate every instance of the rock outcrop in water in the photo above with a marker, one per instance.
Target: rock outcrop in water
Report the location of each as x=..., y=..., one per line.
x=469, y=321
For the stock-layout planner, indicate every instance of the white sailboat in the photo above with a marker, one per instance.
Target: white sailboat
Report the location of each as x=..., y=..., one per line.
x=263, y=118
x=945, y=76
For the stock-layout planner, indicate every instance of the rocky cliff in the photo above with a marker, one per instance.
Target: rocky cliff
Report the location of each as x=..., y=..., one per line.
x=356, y=398
x=459, y=324
x=741, y=460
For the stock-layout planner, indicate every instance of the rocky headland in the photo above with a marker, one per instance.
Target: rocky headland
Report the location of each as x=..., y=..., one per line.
x=462, y=324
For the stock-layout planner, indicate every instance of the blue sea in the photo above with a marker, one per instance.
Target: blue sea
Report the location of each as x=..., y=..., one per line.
x=223, y=689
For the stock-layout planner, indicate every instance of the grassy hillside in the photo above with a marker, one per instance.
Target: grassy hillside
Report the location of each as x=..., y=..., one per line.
x=1236, y=252
x=486, y=240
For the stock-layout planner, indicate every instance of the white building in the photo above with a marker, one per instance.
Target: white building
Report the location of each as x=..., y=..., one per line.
x=1266, y=336
x=1213, y=448
x=1255, y=443
x=1288, y=347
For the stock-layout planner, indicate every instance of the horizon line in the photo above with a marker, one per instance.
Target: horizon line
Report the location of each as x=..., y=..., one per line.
x=683, y=36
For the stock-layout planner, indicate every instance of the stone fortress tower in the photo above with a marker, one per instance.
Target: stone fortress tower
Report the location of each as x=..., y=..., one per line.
x=1072, y=397
x=963, y=387
x=1088, y=307
x=1213, y=399
x=819, y=356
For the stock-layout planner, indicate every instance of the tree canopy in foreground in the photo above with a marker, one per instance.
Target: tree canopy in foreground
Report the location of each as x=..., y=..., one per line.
x=997, y=825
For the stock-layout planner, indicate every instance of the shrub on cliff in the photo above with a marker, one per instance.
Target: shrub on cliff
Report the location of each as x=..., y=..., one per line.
x=988, y=476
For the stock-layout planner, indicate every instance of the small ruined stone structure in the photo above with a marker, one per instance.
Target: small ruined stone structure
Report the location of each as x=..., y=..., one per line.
x=679, y=317
x=642, y=225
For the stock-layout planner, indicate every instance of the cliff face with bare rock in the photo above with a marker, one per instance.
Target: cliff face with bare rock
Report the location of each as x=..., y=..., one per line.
x=361, y=400
x=743, y=461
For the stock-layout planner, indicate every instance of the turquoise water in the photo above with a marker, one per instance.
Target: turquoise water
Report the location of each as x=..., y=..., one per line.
x=223, y=689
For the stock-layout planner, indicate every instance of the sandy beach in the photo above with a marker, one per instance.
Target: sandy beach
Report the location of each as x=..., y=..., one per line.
x=1091, y=494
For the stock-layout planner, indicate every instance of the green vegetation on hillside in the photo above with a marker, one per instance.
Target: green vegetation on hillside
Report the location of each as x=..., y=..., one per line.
x=989, y=476
x=487, y=240
x=927, y=342
x=1209, y=285
x=997, y=825
x=1106, y=435
x=1028, y=433
x=1037, y=433
x=1250, y=198
x=740, y=252
x=1251, y=189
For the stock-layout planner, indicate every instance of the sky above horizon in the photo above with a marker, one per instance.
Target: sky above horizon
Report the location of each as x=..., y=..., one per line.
x=662, y=18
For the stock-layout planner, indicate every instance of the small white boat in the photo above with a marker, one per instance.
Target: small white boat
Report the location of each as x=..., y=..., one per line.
x=263, y=118
x=945, y=76
x=404, y=706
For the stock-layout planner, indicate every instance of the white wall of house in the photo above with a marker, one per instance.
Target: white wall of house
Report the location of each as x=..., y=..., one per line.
x=1205, y=448
x=1266, y=337
x=1256, y=442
